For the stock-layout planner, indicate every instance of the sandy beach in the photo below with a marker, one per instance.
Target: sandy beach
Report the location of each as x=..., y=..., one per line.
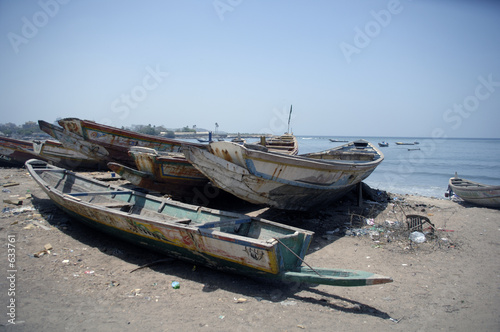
x=67, y=276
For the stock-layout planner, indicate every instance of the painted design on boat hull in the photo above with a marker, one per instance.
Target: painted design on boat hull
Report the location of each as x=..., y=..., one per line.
x=218, y=239
x=285, y=182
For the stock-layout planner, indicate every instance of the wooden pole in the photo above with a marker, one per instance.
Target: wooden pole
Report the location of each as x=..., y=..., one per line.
x=360, y=194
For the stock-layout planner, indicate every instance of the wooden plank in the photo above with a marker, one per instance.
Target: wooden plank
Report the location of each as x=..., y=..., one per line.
x=89, y=193
x=223, y=223
x=113, y=204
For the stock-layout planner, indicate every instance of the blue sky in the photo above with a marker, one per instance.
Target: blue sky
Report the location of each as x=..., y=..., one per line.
x=349, y=68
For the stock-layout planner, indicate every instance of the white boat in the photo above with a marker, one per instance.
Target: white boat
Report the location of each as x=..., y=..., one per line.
x=475, y=193
x=286, y=182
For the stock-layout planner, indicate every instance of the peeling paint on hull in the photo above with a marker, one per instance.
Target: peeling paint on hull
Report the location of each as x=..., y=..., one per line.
x=171, y=233
x=110, y=143
x=284, y=182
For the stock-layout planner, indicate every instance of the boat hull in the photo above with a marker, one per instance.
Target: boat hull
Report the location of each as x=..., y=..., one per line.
x=180, y=230
x=284, y=182
x=168, y=173
x=286, y=144
x=14, y=152
x=476, y=193
x=59, y=155
x=221, y=240
x=113, y=144
x=183, y=245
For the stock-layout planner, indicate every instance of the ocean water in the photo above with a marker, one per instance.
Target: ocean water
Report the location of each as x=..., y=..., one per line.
x=426, y=171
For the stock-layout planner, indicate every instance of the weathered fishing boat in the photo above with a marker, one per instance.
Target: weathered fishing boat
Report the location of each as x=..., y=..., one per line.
x=286, y=182
x=15, y=152
x=286, y=144
x=165, y=172
x=221, y=240
x=475, y=193
x=59, y=155
x=105, y=142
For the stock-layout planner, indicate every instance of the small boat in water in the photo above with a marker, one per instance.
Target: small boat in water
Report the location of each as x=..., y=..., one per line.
x=475, y=193
x=282, y=181
x=383, y=144
x=404, y=143
x=221, y=240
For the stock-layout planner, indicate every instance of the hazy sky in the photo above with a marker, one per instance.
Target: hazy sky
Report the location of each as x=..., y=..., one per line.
x=354, y=68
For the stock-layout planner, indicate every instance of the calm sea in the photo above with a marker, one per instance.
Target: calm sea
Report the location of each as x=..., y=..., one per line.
x=426, y=168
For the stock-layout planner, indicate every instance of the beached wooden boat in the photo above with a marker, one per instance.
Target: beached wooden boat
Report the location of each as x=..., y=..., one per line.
x=221, y=240
x=475, y=193
x=286, y=182
x=105, y=142
x=238, y=139
x=165, y=172
x=286, y=144
x=59, y=155
x=15, y=152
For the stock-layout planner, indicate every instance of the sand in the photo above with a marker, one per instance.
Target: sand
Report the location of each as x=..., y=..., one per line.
x=86, y=281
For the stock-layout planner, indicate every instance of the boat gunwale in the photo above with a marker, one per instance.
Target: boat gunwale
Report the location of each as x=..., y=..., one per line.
x=478, y=186
x=86, y=125
x=302, y=161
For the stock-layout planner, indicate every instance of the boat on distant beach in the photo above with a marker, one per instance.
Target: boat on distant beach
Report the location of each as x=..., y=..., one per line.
x=15, y=152
x=221, y=240
x=282, y=181
x=475, y=193
x=383, y=144
x=165, y=172
x=108, y=143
